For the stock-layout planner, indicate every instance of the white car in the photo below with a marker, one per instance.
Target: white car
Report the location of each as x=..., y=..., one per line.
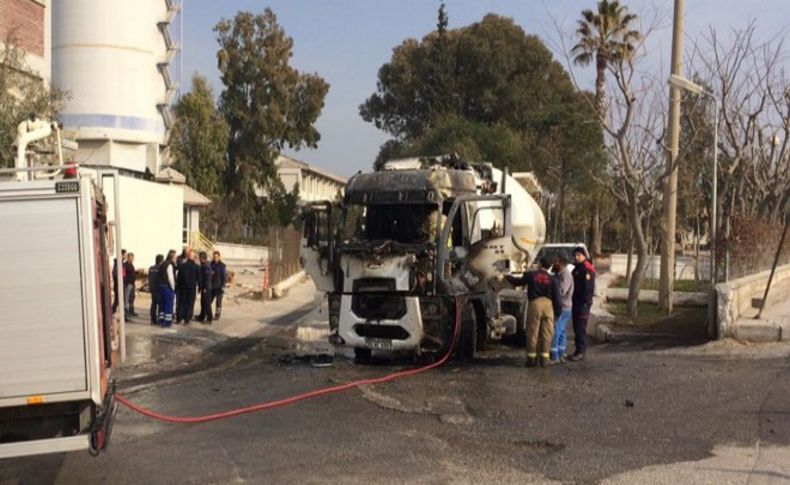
x=565, y=250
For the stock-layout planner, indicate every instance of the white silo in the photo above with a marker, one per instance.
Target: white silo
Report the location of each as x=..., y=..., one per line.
x=113, y=59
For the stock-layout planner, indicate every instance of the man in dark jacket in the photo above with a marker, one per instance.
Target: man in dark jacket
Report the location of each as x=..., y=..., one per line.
x=543, y=297
x=180, y=261
x=153, y=287
x=205, y=285
x=129, y=280
x=583, y=291
x=186, y=288
x=218, y=284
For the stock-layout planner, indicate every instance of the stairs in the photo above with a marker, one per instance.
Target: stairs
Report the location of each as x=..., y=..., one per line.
x=172, y=49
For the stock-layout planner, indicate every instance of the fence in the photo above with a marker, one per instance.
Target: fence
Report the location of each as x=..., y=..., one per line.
x=751, y=248
x=283, y=244
x=686, y=267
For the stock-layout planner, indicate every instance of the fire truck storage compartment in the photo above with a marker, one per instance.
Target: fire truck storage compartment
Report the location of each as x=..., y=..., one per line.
x=42, y=334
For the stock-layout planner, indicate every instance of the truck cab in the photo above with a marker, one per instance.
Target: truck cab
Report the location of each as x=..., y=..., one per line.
x=404, y=253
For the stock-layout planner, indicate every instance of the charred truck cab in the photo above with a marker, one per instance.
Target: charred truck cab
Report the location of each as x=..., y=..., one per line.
x=403, y=249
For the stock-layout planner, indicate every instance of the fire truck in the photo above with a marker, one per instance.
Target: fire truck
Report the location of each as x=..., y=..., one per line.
x=56, y=324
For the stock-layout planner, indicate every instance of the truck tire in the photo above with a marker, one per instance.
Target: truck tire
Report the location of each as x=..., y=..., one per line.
x=362, y=356
x=467, y=340
x=520, y=338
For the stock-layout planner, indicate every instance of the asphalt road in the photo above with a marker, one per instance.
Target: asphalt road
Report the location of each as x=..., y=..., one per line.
x=639, y=412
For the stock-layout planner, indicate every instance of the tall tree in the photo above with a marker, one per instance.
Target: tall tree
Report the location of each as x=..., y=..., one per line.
x=504, y=98
x=268, y=104
x=199, y=139
x=605, y=37
x=21, y=94
x=633, y=133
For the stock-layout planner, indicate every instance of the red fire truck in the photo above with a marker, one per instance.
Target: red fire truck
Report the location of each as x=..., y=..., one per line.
x=56, y=324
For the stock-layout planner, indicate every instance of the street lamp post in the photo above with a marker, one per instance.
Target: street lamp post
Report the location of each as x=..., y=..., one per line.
x=694, y=88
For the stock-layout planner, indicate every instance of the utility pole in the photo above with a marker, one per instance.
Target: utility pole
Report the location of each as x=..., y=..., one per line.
x=671, y=184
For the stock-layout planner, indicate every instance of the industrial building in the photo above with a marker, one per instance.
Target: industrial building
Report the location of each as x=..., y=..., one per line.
x=312, y=182
x=29, y=23
x=118, y=61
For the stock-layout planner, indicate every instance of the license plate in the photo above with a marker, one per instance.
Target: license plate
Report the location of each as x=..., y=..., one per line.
x=378, y=344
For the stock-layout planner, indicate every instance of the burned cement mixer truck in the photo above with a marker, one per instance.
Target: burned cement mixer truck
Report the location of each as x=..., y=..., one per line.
x=416, y=245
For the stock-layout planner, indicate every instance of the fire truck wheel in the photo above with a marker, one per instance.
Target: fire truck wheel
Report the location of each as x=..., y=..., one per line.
x=467, y=341
x=362, y=356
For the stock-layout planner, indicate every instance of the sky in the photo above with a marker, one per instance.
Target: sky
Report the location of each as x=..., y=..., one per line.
x=346, y=41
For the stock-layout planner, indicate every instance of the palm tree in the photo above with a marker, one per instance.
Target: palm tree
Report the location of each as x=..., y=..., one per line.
x=605, y=36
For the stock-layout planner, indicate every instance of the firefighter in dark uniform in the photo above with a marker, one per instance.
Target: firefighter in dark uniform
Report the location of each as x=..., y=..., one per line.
x=543, y=300
x=583, y=291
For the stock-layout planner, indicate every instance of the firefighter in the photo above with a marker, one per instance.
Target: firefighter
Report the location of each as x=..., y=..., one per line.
x=167, y=287
x=543, y=297
x=205, y=281
x=218, y=283
x=583, y=291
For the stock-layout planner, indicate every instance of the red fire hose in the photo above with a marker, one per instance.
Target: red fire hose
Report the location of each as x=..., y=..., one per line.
x=304, y=396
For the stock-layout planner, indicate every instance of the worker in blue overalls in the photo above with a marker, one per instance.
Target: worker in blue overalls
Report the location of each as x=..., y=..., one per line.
x=167, y=289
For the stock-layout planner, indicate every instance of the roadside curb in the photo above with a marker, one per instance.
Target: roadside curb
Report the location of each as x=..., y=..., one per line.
x=681, y=299
x=281, y=289
x=606, y=334
x=760, y=331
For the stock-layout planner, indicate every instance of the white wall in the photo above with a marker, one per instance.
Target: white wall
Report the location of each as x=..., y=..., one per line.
x=151, y=218
x=290, y=177
x=315, y=188
x=242, y=254
x=684, y=266
x=734, y=298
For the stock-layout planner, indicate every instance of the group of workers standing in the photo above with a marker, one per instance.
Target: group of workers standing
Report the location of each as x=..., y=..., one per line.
x=175, y=281
x=555, y=296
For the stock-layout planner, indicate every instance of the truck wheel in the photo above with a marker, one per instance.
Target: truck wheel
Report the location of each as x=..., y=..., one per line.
x=467, y=340
x=362, y=356
x=520, y=337
x=482, y=330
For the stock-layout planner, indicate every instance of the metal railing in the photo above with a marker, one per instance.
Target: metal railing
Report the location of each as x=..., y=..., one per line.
x=199, y=241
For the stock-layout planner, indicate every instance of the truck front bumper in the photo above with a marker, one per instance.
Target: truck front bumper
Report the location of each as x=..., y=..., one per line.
x=403, y=334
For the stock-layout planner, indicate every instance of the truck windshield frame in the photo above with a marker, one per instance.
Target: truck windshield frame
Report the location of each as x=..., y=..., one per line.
x=403, y=224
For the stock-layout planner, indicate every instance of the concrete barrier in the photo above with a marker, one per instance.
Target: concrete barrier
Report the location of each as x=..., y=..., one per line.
x=684, y=299
x=280, y=289
x=684, y=266
x=734, y=298
x=242, y=254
